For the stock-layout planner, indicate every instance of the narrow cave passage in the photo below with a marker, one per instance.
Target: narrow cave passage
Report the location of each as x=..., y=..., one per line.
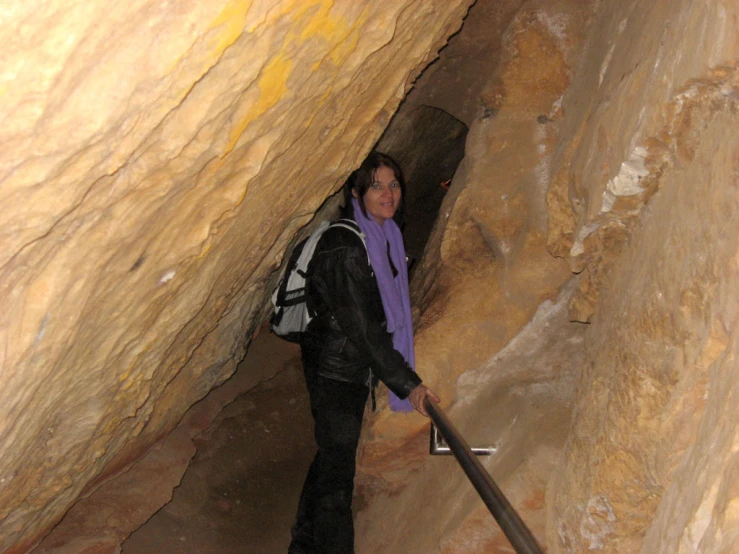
x=428, y=143
x=240, y=491
x=576, y=301
x=266, y=433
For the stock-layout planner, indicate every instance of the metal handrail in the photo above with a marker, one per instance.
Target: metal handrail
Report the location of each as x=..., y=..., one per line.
x=510, y=522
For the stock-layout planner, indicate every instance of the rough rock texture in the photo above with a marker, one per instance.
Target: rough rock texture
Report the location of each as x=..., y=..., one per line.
x=634, y=172
x=644, y=203
x=455, y=81
x=485, y=275
x=156, y=159
x=240, y=491
x=117, y=508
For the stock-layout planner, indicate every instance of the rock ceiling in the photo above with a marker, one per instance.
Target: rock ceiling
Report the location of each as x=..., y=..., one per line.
x=577, y=301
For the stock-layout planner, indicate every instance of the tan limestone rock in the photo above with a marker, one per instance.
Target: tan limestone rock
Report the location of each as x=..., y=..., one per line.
x=455, y=82
x=485, y=274
x=613, y=161
x=157, y=158
x=644, y=204
x=653, y=435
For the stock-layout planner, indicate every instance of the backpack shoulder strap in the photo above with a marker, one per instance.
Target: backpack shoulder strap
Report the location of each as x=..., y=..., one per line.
x=295, y=271
x=348, y=224
x=351, y=225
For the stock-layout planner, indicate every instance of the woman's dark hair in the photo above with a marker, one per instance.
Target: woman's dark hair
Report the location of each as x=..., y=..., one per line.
x=362, y=178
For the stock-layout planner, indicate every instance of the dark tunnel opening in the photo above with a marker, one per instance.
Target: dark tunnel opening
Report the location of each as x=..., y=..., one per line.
x=429, y=144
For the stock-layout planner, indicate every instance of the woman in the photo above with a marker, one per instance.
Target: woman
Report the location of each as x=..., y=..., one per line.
x=362, y=332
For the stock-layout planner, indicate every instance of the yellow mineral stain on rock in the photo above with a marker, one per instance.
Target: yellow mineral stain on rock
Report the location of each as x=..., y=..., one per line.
x=232, y=20
x=335, y=30
x=272, y=86
x=126, y=374
x=322, y=23
x=343, y=49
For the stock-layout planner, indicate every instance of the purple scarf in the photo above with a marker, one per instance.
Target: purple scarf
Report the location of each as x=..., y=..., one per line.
x=396, y=298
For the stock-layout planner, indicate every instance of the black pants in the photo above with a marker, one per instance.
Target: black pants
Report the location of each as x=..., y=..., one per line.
x=324, y=522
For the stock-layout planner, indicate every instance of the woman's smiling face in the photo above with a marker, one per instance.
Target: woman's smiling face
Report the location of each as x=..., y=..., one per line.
x=383, y=195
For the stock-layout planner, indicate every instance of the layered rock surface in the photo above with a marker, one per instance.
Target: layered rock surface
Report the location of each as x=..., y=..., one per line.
x=493, y=337
x=630, y=176
x=577, y=302
x=156, y=160
x=644, y=203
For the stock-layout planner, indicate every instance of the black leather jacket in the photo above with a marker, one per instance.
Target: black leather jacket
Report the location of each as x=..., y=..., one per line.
x=347, y=339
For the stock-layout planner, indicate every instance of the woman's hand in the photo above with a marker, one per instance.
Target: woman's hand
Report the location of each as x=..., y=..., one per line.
x=418, y=397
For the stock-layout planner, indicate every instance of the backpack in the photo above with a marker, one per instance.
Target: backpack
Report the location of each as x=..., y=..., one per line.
x=291, y=314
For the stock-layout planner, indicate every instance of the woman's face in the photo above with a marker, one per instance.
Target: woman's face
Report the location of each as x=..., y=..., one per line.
x=383, y=196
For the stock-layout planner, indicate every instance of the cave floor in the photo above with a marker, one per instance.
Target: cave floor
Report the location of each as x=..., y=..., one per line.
x=265, y=434
x=240, y=491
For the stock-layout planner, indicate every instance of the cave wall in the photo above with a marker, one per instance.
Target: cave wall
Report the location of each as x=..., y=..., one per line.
x=607, y=141
x=644, y=204
x=455, y=81
x=156, y=159
x=493, y=336
x=576, y=304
